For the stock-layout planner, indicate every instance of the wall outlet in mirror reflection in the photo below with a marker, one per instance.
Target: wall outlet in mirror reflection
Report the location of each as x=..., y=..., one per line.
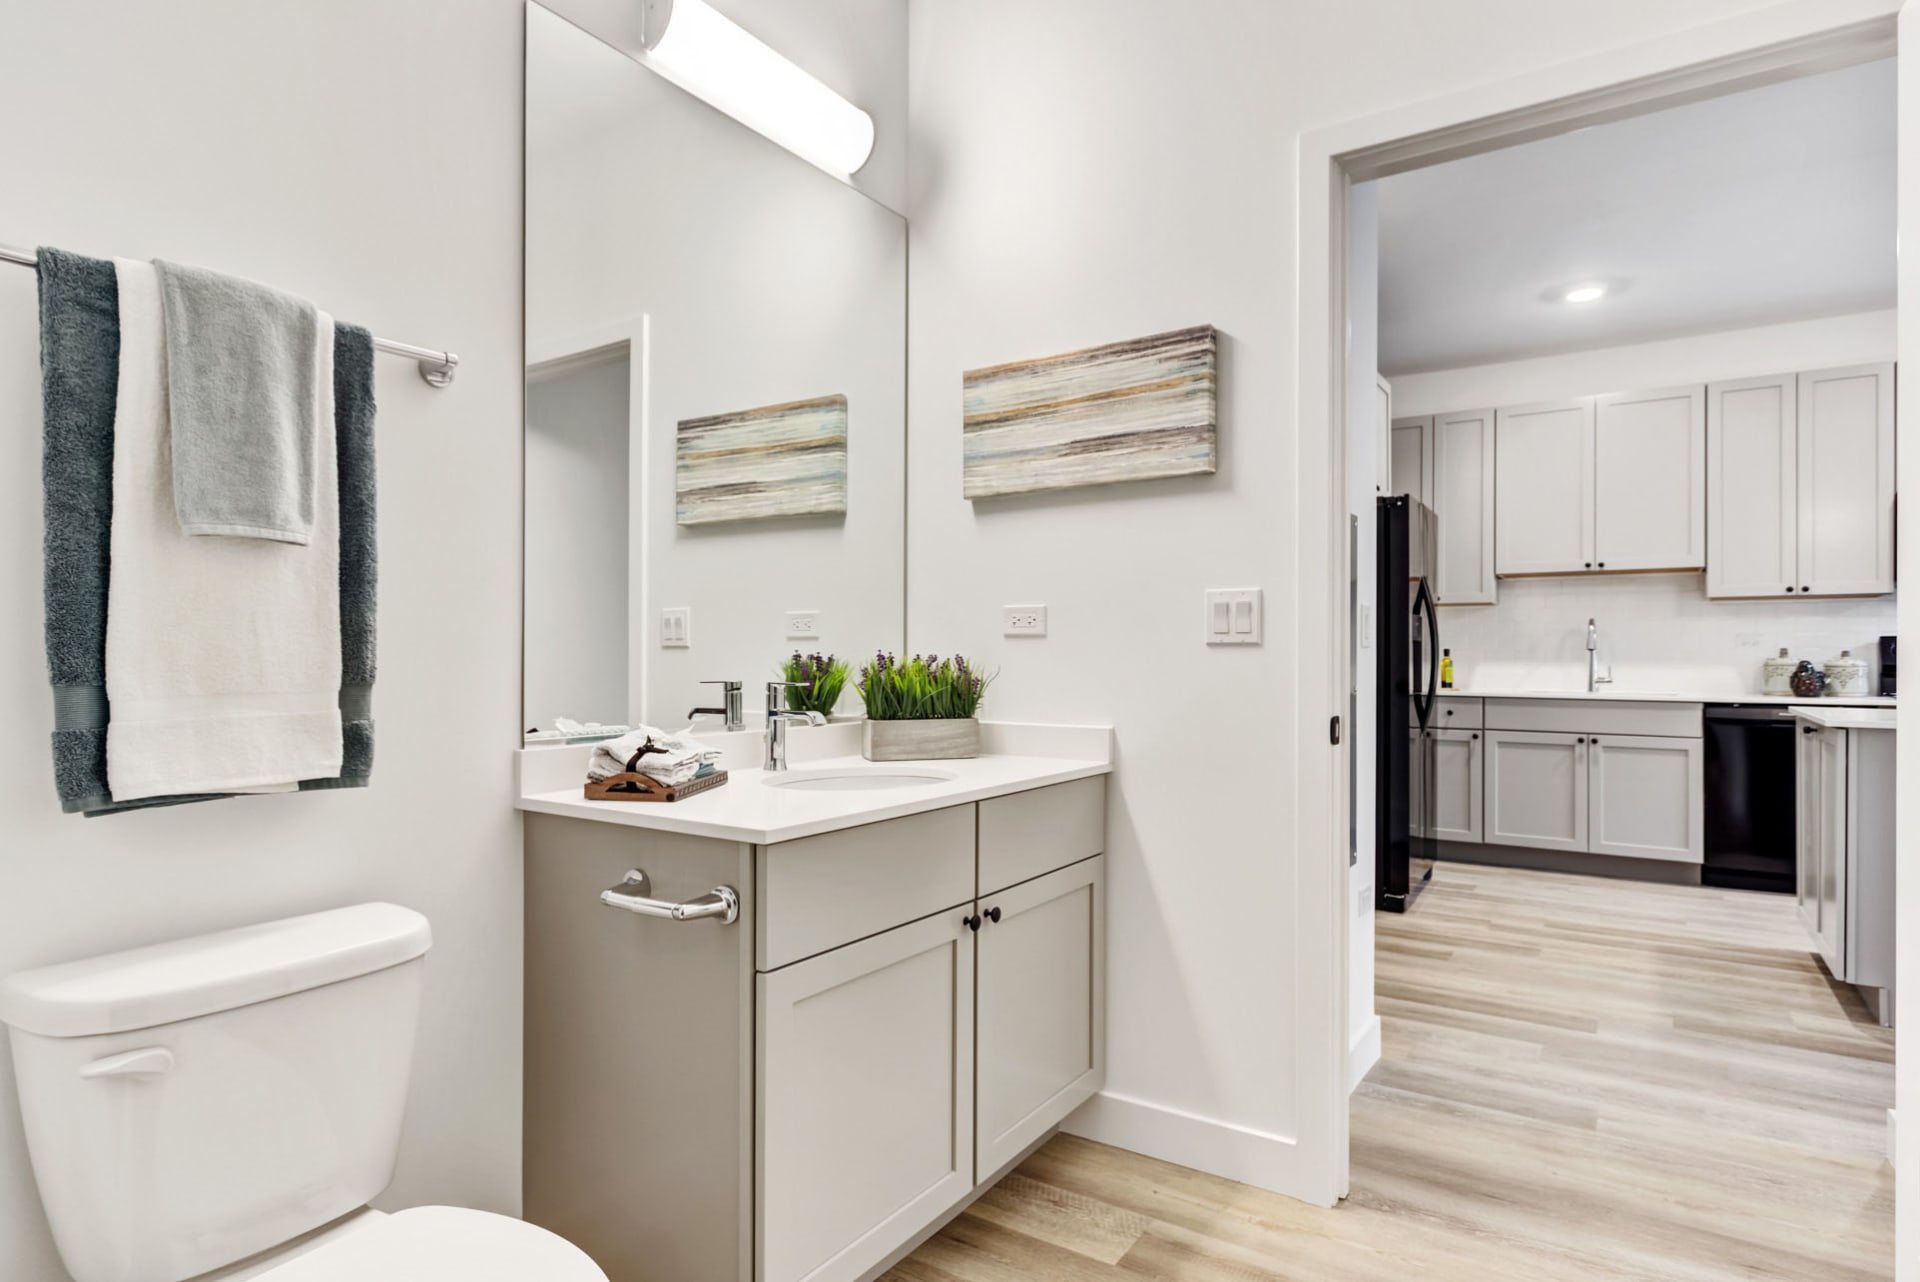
x=676, y=629
x=803, y=625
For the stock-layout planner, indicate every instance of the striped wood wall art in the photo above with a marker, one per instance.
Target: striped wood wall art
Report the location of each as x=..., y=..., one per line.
x=778, y=460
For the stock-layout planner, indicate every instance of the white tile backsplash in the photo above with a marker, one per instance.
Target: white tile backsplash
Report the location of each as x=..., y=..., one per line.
x=1659, y=631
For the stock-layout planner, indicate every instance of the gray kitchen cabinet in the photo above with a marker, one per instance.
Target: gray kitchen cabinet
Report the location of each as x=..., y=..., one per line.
x=1800, y=484
x=1459, y=758
x=1410, y=463
x=865, y=1117
x=1536, y=789
x=1463, y=450
x=1041, y=1008
x=1846, y=853
x=1649, y=480
x=1543, y=488
x=1646, y=797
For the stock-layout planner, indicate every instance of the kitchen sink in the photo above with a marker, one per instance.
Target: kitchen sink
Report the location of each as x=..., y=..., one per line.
x=856, y=779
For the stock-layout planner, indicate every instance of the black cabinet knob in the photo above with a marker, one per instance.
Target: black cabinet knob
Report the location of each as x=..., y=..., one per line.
x=973, y=922
x=1589, y=565
x=1603, y=565
x=993, y=914
x=1805, y=588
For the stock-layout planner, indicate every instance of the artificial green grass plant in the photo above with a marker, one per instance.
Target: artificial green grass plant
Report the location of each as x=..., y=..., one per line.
x=921, y=689
x=817, y=680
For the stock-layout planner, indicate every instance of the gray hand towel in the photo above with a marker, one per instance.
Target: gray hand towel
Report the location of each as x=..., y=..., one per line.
x=79, y=366
x=241, y=396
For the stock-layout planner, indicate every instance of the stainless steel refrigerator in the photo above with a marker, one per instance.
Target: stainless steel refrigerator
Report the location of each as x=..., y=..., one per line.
x=1407, y=669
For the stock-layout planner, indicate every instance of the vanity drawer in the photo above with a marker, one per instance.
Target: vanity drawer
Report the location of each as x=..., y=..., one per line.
x=1596, y=716
x=821, y=892
x=1026, y=834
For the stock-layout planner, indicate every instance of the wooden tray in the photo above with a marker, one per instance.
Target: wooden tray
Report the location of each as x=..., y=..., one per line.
x=632, y=786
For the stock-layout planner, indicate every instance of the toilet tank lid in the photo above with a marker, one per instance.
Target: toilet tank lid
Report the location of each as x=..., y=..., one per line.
x=185, y=978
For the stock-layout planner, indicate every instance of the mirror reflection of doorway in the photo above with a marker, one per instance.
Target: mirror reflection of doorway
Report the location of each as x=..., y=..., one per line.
x=576, y=538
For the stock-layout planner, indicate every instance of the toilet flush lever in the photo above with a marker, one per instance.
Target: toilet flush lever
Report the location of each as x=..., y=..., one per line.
x=149, y=1061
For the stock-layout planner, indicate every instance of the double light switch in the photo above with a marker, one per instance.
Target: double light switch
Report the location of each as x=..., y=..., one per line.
x=1233, y=616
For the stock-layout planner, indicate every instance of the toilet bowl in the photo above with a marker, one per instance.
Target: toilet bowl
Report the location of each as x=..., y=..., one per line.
x=223, y=1108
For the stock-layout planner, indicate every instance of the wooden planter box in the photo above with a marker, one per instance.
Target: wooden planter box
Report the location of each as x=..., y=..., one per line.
x=932, y=740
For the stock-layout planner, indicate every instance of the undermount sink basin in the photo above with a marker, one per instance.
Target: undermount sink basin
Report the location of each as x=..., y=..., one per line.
x=856, y=779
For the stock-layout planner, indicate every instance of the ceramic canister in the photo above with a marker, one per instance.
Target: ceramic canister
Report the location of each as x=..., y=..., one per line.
x=1777, y=674
x=1846, y=675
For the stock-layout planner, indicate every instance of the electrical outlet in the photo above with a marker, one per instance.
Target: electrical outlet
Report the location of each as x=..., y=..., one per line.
x=1233, y=616
x=1023, y=620
x=676, y=629
x=803, y=625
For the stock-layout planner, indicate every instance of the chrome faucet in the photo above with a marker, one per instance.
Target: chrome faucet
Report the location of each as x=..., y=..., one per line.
x=777, y=718
x=735, y=710
x=1594, y=679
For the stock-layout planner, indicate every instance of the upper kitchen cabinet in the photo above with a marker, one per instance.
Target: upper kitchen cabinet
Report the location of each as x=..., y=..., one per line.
x=1800, y=475
x=1543, y=487
x=1411, y=450
x=1649, y=480
x=1463, y=450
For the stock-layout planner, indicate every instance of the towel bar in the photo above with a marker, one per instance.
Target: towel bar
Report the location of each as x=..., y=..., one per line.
x=436, y=367
x=634, y=894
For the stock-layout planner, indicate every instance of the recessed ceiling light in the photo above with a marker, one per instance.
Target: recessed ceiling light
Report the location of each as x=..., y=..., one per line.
x=1586, y=293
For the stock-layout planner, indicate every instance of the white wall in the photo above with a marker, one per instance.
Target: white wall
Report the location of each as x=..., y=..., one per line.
x=764, y=281
x=1363, y=470
x=365, y=153
x=576, y=569
x=1700, y=358
x=1086, y=170
x=852, y=46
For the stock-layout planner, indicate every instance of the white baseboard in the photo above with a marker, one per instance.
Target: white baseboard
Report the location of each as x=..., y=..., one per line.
x=1363, y=1054
x=1260, y=1158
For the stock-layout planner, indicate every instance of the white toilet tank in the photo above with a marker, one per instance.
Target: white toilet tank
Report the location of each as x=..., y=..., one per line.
x=196, y=1102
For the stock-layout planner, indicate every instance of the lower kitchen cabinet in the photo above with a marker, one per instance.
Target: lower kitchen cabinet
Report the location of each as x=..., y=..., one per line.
x=1041, y=1009
x=1820, y=774
x=865, y=1116
x=1458, y=769
x=1646, y=797
x=1536, y=789
x=1845, y=849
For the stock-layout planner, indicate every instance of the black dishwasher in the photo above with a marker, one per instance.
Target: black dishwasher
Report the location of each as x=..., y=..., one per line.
x=1750, y=797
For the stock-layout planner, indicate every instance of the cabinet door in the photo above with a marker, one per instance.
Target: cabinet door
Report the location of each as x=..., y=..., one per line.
x=1383, y=421
x=1753, y=515
x=865, y=1117
x=1536, y=789
x=1543, y=488
x=1041, y=1002
x=1650, y=480
x=1463, y=504
x=1646, y=797
x=1846, y=481
x=1831, y=841
x=1457, y=761
x=1412, y=462
x=1806, y=825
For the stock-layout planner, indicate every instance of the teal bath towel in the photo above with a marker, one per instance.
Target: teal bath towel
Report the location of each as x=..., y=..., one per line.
x=79, y=367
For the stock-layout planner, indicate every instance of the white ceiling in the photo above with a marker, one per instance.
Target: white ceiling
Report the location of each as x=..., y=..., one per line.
x=1770, y=205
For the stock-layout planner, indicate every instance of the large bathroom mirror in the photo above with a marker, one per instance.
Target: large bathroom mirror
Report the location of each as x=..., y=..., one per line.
x=716, y=399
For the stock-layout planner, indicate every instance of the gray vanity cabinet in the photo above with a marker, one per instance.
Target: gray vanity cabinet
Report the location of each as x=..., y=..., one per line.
x=902, y=1010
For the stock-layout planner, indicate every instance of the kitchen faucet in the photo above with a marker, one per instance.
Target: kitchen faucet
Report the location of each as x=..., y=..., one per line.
x=1594, y=679
x=734, y=710
x=777, y=718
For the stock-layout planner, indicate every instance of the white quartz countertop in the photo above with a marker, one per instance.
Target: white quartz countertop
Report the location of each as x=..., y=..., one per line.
x=1848, y=718
x=1671, y=696
x=749, y=808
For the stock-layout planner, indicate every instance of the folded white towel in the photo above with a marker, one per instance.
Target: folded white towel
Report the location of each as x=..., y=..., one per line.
x=679, y=759
x=223, y=654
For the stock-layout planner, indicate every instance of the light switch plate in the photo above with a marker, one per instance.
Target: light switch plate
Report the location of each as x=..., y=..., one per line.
x=1233, y=616
x=1023, y=620
x=803, y=625
x=676, y=629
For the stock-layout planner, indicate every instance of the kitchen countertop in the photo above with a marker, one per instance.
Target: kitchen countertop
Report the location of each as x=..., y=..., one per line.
x=1670, y=696
x=746, y=808
x=1848, y=718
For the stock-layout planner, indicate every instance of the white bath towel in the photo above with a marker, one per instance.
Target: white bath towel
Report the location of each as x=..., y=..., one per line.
x=678, y=757
x=223, y=654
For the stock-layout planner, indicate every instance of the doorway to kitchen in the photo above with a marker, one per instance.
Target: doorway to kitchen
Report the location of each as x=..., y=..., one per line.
x=1590, y=410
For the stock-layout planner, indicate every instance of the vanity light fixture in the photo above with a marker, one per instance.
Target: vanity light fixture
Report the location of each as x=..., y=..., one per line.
x=1590, y=292
x=698, y=49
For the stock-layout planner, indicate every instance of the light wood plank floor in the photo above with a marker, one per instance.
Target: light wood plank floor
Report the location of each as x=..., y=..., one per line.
x=1582, y=1080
